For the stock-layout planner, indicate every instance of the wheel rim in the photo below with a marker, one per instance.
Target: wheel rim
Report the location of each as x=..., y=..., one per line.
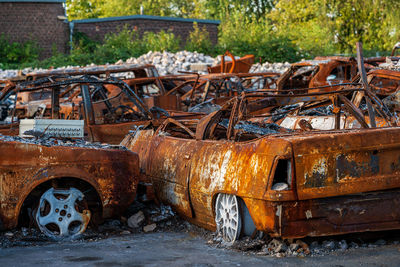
x=227, y=217
x=58, y=216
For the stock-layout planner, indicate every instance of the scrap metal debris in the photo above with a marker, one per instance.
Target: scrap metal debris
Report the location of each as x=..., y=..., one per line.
x=274, y=158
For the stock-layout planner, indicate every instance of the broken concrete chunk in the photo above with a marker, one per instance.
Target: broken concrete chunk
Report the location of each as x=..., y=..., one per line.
x=150, y=227
x=277, y=246
x=136, y=220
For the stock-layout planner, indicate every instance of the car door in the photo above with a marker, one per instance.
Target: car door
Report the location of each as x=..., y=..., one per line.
x=169, y=168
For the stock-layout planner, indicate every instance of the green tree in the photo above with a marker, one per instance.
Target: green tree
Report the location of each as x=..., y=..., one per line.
x=300, y=21
x=328, y=26
x=373, y=22
x=248, y=35
x=83, y=9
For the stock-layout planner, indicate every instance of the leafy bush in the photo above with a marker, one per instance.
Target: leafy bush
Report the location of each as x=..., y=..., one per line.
x=121, y=45
x=16, y=53
x=161, y=41
x=199, y=40
x=82, y=43
x=243, y=35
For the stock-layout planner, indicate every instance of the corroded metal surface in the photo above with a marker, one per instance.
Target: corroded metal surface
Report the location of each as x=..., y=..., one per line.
x=112, y=173
x=318, y=72
x=241, y=65
x=338, y=180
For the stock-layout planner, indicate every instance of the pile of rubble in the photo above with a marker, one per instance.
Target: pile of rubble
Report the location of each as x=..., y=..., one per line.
x=276, y=247
x=270, y=67
x=171, y=63
x=45, y=140
x=391, y=64
x=139, y=218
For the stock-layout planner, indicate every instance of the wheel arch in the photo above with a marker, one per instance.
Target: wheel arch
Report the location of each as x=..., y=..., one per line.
x=45, y=178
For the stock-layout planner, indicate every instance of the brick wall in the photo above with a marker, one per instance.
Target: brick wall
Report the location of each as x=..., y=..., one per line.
x=35, y=21
x=38, y=21
x=97, y=28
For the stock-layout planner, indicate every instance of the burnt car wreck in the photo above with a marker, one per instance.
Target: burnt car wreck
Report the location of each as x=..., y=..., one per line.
x=238, y=173
x=312, y=152
x=62, y=188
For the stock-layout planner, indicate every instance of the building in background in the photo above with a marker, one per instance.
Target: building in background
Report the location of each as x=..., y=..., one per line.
x=45, y=22
x=42, y=21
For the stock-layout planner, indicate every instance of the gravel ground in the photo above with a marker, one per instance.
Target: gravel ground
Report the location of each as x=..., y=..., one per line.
x=162, y=220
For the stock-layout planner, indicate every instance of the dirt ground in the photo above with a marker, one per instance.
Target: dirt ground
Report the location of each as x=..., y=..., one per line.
x=175, y=242
x=178, y=249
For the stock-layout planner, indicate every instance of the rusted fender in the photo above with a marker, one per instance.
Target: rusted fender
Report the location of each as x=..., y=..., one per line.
x=112, y=173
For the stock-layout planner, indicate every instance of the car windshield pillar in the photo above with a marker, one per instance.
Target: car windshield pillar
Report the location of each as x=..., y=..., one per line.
x=89, y=116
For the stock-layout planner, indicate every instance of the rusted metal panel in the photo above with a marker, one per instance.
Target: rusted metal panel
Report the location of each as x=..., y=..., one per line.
x=112, y=173
x=167, y=102
x=371, y=211
x=241, y=65
x=347, y=163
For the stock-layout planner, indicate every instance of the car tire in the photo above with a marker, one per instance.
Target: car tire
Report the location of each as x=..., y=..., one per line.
x=228, y=217
x=61, y=214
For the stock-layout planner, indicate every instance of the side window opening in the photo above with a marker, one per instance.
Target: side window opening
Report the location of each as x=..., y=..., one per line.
x=283, y=175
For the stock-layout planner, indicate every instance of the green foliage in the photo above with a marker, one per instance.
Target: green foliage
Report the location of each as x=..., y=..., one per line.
x=203, y=9
x=300, y=21
x=274, y=30
x=243, y=35
x=13, y=52
x=161, y=41
x=199, y=40
x=120, y=45
x=334, y=26
x=82, y=9
x=82, y=42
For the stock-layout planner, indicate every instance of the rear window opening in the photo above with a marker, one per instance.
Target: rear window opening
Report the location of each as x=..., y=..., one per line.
x=283, y=175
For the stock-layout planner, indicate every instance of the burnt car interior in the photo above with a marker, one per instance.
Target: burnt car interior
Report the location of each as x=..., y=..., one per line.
x=235, y=120
x=385, y=85
x=77, y=98
x=300, y=76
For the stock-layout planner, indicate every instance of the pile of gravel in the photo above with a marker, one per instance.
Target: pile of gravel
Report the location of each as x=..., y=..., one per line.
x=171, y=63
x=270, y=67
x=276, y=247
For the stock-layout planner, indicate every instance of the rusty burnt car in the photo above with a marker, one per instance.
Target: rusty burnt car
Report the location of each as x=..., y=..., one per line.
x=239, y=173
x=385, y=83
x=318, y=72
x=108, y=114
x=235, y=65
x=323, y=71
x=63, y=187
